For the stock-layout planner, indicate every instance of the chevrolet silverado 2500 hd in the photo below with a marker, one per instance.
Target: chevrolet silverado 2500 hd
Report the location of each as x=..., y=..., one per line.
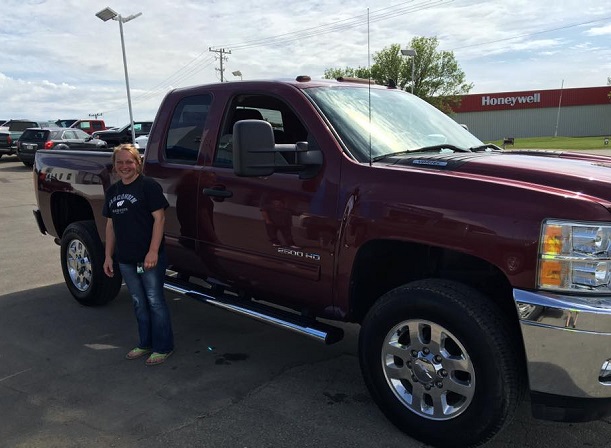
x=477, y=275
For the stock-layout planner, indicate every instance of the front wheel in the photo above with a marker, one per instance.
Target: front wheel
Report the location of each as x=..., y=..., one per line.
x=441, y=362
x=82, y=257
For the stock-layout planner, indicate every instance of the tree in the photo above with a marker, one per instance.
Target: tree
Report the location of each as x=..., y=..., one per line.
x=438, y=78
x=348, y=72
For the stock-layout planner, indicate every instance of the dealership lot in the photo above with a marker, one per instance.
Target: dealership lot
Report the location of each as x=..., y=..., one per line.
x=232, y=382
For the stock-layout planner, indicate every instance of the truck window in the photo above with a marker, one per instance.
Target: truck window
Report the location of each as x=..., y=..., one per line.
x=287, y=127
x=84, y=125
x=186, y=128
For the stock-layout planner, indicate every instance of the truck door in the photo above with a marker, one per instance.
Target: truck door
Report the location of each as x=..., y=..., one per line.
x=175, y=166
x=272, y=235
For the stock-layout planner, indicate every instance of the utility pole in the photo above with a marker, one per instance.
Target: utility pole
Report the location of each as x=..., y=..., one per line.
x=222, y=58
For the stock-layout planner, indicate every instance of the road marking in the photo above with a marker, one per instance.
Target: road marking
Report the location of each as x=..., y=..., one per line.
x=14, y=374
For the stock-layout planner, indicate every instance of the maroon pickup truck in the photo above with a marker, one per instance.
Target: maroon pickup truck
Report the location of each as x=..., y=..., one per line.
x=477, y=276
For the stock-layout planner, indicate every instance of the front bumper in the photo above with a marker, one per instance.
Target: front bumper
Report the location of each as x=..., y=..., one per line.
x=567, y=340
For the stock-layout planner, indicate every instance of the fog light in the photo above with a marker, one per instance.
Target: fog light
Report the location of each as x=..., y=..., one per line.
x=605, y=372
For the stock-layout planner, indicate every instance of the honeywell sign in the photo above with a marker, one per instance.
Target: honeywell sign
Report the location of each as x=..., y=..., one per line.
x=511, y=100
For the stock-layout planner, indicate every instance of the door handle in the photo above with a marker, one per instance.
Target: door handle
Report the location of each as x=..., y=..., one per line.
x=218, y=193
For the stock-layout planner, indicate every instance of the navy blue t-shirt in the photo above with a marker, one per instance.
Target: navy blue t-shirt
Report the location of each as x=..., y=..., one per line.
x=130, y=207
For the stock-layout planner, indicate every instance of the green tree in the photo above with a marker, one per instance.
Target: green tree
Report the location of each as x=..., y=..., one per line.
x=438, y=77
x=348, y=72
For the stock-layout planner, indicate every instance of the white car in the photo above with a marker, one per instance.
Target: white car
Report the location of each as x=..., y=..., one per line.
x=141, y=141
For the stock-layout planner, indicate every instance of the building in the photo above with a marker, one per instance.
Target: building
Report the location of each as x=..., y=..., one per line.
x=578, y=112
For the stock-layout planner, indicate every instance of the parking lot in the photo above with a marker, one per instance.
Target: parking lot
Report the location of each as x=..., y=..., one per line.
x=232, y=382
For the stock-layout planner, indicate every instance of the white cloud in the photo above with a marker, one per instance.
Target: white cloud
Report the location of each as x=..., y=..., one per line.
x=59, y=60
x=599, y=31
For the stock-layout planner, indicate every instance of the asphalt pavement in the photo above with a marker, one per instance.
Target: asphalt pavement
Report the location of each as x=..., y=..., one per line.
x=232, y=382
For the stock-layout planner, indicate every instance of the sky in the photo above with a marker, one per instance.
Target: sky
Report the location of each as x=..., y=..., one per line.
x=58, y=60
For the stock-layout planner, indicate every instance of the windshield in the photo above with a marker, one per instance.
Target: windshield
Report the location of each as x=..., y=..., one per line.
x=400, y=122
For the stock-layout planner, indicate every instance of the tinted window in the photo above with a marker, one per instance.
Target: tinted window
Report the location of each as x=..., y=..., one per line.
x=186, y=128
x=21, y=125
x=287, y=127
x=56, y=135
x=34, y=135
x=97, y=125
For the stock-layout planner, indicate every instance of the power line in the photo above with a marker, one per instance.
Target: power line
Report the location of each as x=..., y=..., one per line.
x=532, y=34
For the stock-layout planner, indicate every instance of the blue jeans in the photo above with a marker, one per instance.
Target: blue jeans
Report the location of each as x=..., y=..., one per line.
x=152, y=312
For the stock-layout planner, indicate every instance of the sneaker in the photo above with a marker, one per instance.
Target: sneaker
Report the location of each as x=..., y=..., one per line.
x=137, y=353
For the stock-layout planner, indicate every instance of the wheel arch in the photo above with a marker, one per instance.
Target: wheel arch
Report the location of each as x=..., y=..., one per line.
x=383, y=265
x=67, y=208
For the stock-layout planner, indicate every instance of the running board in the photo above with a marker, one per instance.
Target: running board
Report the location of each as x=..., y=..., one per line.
x=265, y=313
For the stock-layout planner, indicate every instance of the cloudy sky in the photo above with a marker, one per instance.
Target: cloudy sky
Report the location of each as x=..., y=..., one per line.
x=58, y=60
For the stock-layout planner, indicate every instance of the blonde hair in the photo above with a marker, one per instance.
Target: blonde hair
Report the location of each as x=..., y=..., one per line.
x=134, y=153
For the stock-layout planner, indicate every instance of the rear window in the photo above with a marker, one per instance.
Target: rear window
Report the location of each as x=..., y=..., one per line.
x=34, y=135
x=21, y=125
x=186, y=128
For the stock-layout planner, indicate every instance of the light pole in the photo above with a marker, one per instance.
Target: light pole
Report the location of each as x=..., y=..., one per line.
x=105, y=15
x=411, y=52
x=237, y=73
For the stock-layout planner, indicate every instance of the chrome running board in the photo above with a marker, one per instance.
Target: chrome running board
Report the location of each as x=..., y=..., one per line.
x=265, y=313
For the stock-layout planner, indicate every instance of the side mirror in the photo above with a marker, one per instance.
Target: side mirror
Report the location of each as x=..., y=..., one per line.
x=256, y=154
x=253, y=148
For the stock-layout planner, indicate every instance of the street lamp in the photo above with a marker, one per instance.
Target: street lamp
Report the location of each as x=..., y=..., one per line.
x=411, y=52
x=105, y=15
x=237, y=73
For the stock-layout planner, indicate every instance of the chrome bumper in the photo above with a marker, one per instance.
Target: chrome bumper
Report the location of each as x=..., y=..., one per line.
x=567, y=340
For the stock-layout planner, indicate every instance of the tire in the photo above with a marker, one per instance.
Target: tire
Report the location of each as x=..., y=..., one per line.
x=441, y=362
x=82, y=258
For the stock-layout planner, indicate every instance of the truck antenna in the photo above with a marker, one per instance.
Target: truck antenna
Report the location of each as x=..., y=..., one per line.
x=369, y=87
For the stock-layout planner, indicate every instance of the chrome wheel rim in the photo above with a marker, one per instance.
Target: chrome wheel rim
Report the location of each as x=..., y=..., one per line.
x=79, y=266
x=428, y=369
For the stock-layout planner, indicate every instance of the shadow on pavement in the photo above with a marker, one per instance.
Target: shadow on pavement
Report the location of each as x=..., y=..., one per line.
x=232, y=382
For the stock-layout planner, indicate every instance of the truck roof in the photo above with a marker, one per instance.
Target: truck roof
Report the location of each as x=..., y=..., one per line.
x=300, y=82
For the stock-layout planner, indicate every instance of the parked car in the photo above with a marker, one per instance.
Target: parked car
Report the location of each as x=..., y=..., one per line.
x=124, y=134
x=34, y=139
x=66, y=123
x=141, y=142
x=11, y=130
x=89, y=126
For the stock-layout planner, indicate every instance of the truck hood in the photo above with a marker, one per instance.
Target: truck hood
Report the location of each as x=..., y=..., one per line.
x=562, y=172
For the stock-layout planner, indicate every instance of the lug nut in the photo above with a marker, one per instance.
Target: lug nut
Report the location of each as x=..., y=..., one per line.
x=443, y=372
x=438, y=359
x=414, y=353
x=439, y=384
x=427, y=386
x=426, y=351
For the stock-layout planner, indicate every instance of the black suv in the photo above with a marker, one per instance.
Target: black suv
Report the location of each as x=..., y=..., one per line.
x=115, y=137
x=34, y=139
x=11, y=130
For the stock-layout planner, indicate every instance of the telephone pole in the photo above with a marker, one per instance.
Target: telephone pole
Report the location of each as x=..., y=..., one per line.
x=222, y=52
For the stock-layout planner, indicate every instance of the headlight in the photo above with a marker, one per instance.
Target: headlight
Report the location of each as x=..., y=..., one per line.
x=575, y=256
